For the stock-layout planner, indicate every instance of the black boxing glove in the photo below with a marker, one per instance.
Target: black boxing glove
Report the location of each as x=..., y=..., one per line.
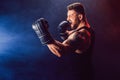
x=41, y=28
x=62, y=27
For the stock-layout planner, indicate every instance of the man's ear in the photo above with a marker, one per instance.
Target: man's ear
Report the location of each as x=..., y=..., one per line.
x=80, y=16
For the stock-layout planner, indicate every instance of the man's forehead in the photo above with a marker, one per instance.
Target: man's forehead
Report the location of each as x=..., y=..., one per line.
x=71, y=12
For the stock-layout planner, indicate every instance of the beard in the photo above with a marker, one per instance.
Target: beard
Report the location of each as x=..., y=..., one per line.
x=76, y=24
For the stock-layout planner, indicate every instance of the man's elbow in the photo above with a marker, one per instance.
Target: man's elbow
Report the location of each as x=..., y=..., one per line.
x=57, y=54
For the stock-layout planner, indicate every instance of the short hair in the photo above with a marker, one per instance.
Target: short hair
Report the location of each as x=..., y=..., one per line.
x=78, y=7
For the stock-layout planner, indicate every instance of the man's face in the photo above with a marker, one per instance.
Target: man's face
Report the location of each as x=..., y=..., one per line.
x=72, y=17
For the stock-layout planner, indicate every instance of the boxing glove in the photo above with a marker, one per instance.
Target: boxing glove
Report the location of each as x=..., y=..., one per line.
x=40, y=27
x=62, y=27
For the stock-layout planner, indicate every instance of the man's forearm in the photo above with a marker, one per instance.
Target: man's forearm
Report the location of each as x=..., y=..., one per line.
x=58, y=48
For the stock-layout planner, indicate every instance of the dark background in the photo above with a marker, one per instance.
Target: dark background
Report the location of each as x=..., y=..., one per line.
x=22, y=57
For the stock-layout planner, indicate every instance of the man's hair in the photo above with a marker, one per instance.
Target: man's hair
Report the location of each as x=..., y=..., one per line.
x=78, y=7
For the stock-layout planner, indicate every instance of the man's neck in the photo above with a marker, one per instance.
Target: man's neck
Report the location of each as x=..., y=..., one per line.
x=81, y=25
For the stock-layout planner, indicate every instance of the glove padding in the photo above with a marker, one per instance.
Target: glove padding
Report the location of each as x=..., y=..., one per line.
x=62, y=27
x=41, y=28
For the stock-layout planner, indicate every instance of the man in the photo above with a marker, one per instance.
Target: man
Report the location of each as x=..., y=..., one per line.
x=77, y=44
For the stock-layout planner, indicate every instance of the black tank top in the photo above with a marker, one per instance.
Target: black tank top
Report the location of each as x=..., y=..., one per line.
x=79, y=66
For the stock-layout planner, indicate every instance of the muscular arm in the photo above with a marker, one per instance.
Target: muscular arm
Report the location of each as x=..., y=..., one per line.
x=82, y=40
x=59, y=48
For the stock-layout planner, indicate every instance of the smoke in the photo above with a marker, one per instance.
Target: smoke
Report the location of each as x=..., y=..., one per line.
x=22, y=57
